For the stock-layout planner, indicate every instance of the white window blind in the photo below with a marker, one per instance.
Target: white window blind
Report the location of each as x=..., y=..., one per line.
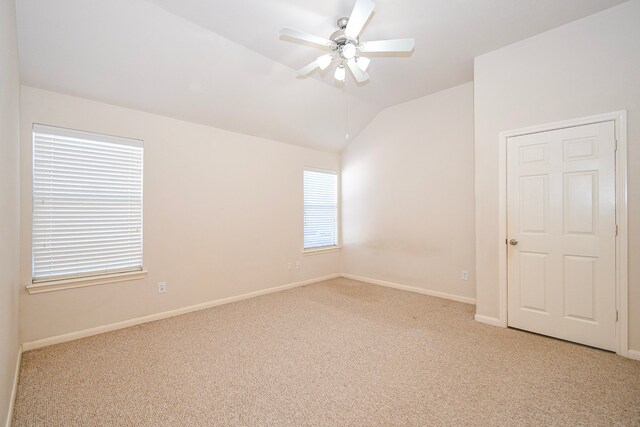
x=87, y=204
x=320, y=209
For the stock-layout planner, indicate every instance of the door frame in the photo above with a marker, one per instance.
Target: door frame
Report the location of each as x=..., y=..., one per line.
x=622, y=292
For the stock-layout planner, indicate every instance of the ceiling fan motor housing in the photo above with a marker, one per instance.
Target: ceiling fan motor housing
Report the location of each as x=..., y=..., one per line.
x=345, y=46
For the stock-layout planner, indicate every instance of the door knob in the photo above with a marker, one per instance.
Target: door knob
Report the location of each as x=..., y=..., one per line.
x=513, y=242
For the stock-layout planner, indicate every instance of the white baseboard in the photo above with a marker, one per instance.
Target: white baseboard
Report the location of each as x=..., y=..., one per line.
x=163, y=315
x=438, y=294
x=493, y=321
x=14, y=390
x=632, y=354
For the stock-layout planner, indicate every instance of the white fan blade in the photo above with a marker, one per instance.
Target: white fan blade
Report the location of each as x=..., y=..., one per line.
x=397, y=45
x=358, y=74
x=359, y=16
x=301, y=35
x=307, y=69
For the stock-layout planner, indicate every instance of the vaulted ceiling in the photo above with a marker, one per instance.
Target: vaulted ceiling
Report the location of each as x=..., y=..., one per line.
x=221, y=63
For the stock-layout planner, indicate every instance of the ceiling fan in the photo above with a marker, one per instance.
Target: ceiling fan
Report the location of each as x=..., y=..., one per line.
x=346, y=47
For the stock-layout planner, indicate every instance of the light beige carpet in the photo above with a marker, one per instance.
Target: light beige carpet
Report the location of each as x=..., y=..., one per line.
x=334, y=353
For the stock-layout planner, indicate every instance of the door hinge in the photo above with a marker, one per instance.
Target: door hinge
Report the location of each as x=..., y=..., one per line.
x=616, y=230
x=617, y=315
x=615, y=145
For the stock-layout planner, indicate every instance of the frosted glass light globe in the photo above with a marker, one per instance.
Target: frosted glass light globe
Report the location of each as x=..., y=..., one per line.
x=348, y=51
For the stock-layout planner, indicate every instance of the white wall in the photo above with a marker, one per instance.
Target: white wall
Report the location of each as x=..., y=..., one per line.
x=587, y=67
x=222, y=216
x=9, y=208
x=407, y=192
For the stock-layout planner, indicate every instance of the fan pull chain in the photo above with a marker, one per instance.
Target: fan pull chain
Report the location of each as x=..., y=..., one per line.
x=346, y=109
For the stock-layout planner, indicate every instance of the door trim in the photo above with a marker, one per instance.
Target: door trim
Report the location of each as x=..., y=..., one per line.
x=622, y=293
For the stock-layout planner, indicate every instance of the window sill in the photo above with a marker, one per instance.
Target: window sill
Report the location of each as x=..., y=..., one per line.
x=81, y=282
x=316, y=251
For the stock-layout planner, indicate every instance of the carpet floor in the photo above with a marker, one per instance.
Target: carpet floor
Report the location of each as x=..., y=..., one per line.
x=338, y=352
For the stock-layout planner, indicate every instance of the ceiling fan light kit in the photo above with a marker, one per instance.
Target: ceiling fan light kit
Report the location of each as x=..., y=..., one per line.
x=345, y=45
x=363, y=63
x=324, y=61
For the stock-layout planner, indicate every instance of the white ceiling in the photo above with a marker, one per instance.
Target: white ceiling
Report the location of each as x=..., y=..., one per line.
x=221, y=63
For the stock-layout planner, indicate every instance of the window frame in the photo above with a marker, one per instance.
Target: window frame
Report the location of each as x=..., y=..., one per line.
x=46, y=284
x=338, y=245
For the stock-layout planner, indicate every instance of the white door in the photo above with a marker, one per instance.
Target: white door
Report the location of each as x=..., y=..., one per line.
x=561, y=232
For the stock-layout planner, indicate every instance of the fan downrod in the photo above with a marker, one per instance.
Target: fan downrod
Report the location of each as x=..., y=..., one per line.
x=338, y=37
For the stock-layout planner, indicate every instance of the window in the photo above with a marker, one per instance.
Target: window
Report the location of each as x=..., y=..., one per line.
x=320, y=209
x=87, y=204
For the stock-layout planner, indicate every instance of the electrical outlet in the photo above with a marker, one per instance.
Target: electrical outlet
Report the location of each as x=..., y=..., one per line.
x=162, y=287
x=464, y=275
x=298, y=265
